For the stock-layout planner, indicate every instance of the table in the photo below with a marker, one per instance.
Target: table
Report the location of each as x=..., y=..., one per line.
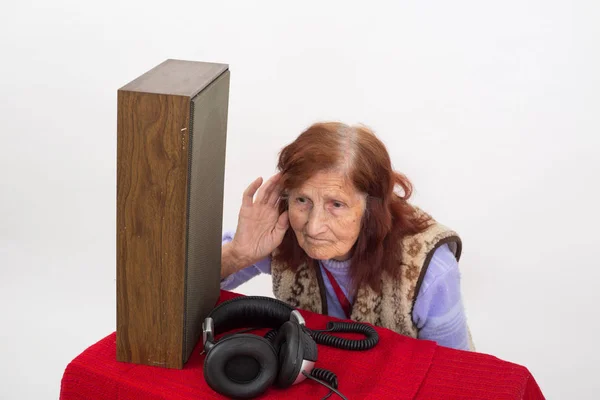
x=397, y=368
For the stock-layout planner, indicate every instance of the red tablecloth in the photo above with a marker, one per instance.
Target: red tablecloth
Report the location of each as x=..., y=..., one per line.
x=397, y=368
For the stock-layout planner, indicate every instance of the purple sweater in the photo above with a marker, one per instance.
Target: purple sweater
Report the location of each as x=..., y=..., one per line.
x=438, y=312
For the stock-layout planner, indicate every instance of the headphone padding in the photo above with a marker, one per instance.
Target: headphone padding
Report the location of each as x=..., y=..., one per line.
x=310, y=347
x=290, y=348
x=249, y=345
x=250, y=311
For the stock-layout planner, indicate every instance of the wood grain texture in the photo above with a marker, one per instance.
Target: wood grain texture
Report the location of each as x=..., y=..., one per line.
x=171, y=135
x=152, y=173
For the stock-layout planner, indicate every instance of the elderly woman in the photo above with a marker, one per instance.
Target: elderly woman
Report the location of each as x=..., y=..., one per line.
x=340, y=239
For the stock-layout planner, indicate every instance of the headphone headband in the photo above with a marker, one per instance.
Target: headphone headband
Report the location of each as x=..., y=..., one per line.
x=247, y=311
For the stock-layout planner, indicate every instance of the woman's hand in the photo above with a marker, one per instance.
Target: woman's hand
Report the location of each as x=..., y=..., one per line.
x=260, y=226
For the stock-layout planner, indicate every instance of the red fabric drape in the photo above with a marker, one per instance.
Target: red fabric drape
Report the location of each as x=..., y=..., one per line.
x=397, y=368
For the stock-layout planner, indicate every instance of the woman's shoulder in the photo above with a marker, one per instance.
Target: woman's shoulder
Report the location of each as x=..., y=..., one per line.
x=443, y=265
x=433, y=239
x=443, y=260
x=428, y=228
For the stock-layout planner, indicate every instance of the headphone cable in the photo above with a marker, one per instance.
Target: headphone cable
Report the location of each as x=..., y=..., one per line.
x=324, y=337
x=324, y=374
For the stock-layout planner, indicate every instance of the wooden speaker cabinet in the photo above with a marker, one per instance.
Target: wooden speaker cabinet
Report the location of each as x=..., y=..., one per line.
x=171, y=137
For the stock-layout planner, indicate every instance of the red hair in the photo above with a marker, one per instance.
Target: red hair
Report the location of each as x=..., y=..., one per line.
x=364, y=158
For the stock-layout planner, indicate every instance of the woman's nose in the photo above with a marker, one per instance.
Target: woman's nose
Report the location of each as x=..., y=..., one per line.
x=316, y=224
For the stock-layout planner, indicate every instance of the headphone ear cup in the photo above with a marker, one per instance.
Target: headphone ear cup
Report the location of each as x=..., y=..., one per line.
x=290, y=350
x=241, y=366
x=310, y=348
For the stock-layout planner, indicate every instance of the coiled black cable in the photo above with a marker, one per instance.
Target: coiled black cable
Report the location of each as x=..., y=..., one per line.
x=270, y=335
x=327, y=379
x=323, y=337
x=325, y=376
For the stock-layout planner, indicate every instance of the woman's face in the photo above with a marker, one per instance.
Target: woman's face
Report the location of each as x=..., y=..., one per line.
x=325, y=214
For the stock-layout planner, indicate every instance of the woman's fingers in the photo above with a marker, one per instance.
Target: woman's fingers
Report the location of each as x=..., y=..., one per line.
x=265, y=192
x=248, y=197
x=268, y=193
x=283, y=222
x=275, y=196
x=275, y=193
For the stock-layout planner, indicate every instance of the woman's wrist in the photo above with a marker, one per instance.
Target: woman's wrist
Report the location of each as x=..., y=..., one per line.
x=232, y=260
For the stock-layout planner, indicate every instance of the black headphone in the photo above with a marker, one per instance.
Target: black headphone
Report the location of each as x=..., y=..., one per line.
x=245, y=365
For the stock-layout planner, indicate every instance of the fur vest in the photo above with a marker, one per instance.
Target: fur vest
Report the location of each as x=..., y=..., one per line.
x=392, y=308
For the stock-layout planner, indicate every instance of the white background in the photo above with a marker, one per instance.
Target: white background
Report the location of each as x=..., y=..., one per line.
x=492, y=109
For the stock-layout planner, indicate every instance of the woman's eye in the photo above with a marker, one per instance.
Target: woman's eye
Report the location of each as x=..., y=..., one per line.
x=337, y=204
x=301, y=200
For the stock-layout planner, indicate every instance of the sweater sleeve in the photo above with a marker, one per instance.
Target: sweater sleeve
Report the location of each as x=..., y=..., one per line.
x=438, y=312
x=244, y=275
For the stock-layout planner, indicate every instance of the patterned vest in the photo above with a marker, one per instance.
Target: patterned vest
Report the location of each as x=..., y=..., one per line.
x=392, y=308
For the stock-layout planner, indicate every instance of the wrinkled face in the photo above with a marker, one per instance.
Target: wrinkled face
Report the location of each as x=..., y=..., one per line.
x=325, y=214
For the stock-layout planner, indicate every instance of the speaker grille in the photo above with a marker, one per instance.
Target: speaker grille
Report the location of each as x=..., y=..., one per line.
x=207, y=142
